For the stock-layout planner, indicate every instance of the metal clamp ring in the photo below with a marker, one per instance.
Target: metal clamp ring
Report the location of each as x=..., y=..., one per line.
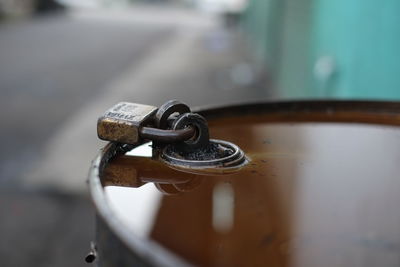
x=224, y=164
x=167, y=109
x=201, y=138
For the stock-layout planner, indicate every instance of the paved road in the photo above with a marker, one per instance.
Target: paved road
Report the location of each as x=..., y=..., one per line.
x=44, y=229
x=51, y=66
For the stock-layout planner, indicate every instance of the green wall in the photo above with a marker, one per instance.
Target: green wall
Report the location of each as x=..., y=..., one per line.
x=263, y=25
x=354, y=43
x=293, y=77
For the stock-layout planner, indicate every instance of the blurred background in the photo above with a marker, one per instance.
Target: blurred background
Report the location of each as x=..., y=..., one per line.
x=63, y=63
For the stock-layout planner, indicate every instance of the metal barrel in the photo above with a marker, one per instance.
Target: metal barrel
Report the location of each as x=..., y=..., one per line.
x=320, y=188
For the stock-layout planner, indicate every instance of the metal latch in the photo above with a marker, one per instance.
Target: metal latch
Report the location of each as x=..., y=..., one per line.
x=182, y=137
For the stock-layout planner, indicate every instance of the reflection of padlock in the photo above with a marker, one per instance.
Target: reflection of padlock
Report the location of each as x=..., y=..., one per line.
x=129, y=171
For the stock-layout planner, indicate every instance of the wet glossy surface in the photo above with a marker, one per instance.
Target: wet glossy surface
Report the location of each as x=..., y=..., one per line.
x=314, y=194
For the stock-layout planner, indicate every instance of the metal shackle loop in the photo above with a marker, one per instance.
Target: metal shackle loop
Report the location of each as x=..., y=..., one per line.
x=166, y=110
x=201, y=138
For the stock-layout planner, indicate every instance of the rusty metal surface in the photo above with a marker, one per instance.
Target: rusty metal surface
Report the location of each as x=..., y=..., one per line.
x=121, y=123
x=118, y=246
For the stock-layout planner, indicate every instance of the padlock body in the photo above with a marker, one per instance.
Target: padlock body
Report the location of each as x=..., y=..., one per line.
x=121, y=122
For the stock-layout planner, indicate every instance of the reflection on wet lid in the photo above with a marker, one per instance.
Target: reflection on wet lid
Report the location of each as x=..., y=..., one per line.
x=313, y=194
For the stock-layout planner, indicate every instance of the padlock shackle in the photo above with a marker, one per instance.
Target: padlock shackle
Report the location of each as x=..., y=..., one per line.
x=167, y=136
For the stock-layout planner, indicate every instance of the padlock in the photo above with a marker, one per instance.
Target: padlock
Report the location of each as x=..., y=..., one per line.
x=122, y=122
x=183, y=141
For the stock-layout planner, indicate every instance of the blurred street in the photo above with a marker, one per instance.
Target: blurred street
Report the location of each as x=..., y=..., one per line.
x=59, y=73
x=53, y=66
